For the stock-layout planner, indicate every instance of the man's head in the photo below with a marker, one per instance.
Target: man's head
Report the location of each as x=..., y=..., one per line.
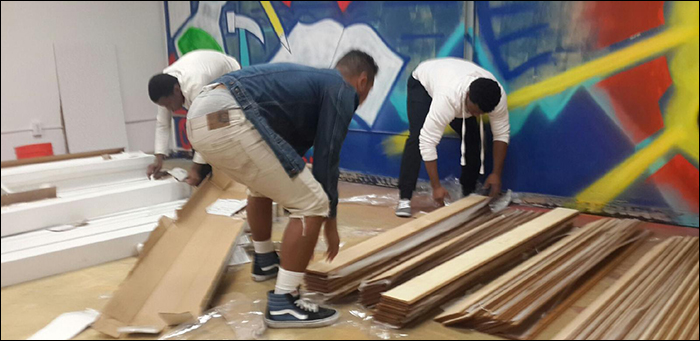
x=483, y=96
x=164, y=90
x=358, y=69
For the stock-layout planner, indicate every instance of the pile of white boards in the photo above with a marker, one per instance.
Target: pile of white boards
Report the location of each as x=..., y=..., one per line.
x=104, y=207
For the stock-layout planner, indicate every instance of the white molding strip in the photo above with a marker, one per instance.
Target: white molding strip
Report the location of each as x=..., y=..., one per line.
x=78, y=174
x=75, y=209
x=39, y=254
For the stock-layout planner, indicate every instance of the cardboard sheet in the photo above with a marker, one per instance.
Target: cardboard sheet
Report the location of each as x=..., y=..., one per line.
x=179, y=268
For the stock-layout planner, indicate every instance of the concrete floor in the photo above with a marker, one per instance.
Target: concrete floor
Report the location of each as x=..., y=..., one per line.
x=28, y=307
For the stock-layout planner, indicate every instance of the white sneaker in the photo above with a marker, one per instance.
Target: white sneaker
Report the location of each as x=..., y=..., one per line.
x=403, y=209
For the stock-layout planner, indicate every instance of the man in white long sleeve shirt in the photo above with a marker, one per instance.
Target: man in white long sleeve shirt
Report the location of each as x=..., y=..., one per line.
x=177, y=87
x=452, y=91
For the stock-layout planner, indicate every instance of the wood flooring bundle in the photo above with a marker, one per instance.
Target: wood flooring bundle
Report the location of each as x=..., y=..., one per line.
x=343, y=275
x=419, y=296
x=512, y=304
x=448, y=248
x=657, y=299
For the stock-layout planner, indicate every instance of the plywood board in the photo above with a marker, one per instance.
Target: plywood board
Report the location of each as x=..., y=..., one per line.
x=429, y=282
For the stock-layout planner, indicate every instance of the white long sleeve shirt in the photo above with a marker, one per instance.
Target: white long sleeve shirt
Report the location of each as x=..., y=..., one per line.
x=194, y=70
x=447, y=81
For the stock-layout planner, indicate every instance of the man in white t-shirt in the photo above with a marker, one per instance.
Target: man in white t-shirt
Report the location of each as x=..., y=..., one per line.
x=177, y=87
x=452, y=91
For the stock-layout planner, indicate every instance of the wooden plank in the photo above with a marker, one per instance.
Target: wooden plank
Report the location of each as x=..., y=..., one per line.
x=615, y=312
x=571, y=299
x=569, y=332
x=45, y=159
x=370, y=292
x=519, y=296
x=407, y=313
x=457, y=309
x=395, y=235
x=433, y=280
x=615, y=321
x=28, y=196
x=670, y=311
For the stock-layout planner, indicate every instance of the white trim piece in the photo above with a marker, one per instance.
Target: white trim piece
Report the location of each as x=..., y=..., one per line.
x=103, y=224
x=67, y=325
x=77, y=174
x=76, y=209
x=44, y=253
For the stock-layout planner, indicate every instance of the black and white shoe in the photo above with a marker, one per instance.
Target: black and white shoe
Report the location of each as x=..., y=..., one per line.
x=289, y=311
x=403, y=209
x=265, y=266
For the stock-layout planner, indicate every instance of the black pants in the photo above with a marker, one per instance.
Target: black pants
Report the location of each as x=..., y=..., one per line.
x=418, y=107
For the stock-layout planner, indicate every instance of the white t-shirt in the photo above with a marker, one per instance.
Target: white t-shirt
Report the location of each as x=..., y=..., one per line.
x=447, y=81
x=194, y=70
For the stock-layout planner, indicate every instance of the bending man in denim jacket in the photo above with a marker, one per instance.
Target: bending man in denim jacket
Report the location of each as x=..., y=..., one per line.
x=254, y=125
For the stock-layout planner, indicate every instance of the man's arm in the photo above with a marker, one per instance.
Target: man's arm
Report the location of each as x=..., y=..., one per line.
x=162, y=140
x=336, y=113
x=440, y=114
x=500, y=127
x=493, y=182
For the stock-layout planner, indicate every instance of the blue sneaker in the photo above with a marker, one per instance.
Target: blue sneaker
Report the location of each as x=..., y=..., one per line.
x=265, y=266
x=289, y=311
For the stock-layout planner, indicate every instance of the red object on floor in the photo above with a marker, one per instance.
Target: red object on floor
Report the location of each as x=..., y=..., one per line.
x=34, y=150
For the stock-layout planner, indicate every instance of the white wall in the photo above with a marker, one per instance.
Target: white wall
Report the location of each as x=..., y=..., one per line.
x=29, y=86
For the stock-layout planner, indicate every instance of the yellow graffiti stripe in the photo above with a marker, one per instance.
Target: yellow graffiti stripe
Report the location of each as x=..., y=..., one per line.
x=603, y=66
x=616, y=181
x=681, y=119
x=274, y=19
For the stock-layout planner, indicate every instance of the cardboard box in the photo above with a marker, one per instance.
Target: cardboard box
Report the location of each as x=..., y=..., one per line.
x=179, y=268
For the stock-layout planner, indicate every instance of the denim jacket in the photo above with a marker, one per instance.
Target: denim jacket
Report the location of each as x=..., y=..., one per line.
x=294, y=108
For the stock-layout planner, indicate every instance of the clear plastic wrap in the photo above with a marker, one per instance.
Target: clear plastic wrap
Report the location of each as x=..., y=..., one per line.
x=357, y=323
x=242, y=318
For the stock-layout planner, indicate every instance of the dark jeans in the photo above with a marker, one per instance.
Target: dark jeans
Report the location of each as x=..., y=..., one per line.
x=418, y=107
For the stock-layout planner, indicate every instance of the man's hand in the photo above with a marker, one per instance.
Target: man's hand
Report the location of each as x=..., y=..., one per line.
x=154, y=168
x=439, y=195
x=332, y=238
x=494, y=183
x=193, y=175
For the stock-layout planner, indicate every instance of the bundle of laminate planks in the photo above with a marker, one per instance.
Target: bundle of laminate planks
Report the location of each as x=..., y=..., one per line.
x=341, y=277
x=657, y=299
x=512, y=304
x=417, y=297
x=448, y=248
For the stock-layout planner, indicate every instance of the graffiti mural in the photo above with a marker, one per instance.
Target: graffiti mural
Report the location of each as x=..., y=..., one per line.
x=317, y=33
x=603, y=98
x=603, y=95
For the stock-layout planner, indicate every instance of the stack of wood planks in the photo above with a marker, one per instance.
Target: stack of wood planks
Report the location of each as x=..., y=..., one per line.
x=422, y=294
x=656, y=299
x=448, y=248
x=513, y=304
x=343, y=275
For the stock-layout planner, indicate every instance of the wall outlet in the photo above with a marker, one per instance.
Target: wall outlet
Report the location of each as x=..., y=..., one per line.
x=37, y=129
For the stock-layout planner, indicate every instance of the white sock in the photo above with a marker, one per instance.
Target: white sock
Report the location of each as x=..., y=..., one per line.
x=288, y=282
x=264, y=246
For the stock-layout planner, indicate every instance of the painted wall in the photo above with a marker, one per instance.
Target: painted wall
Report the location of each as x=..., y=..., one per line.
x=29, y=85
x=603, y=98
x=603, y=95
x=397, y=34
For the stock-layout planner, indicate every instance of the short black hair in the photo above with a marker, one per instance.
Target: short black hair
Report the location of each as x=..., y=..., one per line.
x=161, y=85
x=485, y=93
x=357, y=61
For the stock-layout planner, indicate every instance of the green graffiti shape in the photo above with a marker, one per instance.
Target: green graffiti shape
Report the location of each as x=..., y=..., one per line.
x=197, y=39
